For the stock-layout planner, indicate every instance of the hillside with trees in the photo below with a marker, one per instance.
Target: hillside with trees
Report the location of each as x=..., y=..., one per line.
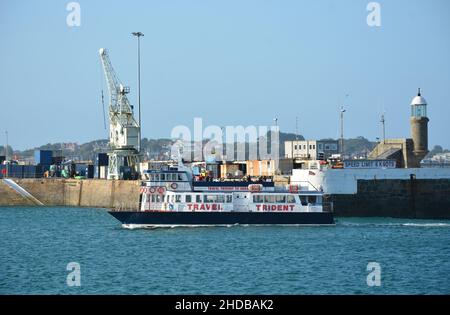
x=159, y=149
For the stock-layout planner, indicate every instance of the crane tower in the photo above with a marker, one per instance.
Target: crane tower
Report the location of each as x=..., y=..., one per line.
x=124, y=130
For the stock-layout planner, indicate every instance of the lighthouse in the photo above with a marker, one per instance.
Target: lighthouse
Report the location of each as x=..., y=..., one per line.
x=419, y=126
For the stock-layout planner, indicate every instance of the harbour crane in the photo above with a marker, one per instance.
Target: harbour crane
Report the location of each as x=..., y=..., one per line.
x=124, y=130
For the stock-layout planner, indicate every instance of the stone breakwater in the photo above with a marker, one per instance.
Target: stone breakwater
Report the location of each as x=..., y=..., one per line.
x=414, y=198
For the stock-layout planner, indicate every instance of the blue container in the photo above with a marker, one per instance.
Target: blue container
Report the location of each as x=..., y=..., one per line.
x=43, y=157
x=15, y=171
x=39, y=171
x=29, y=171
x=102, y=159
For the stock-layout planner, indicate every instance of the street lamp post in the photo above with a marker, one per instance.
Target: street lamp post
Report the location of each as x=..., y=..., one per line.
x=138, y=35
x=6, y=148
x=342, y=131
x=383, y=125
x=277, y=148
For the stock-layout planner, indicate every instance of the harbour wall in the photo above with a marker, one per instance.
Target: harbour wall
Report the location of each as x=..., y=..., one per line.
x=71, y=192
x=413, y=198
x=400, y=192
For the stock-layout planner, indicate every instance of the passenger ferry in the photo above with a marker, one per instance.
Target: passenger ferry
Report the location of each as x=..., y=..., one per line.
x=172, y=197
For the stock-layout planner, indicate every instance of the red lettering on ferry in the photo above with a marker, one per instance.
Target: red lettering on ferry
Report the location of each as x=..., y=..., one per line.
x=214, y=207
x=258, y=207
x=202, y=207
x=195, y=206
x=292, y=207
x=189, y=206
x=285, y=208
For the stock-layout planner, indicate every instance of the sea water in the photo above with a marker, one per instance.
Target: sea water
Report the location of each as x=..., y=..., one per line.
x=62, y=250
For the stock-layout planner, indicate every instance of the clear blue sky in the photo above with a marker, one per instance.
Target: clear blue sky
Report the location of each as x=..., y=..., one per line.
x=230, y=62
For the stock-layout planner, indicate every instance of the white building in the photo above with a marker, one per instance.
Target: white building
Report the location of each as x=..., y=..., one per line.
x=311, y=149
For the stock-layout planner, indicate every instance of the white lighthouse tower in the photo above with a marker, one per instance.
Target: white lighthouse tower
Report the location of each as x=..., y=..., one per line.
x=419, y=126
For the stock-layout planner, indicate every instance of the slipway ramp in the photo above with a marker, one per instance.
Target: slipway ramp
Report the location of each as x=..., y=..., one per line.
x=22, y=191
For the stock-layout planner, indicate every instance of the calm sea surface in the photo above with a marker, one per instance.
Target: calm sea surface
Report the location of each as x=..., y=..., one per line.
x=37, y=244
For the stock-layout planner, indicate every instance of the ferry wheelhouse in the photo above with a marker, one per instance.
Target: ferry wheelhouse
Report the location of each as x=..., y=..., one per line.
x=173, y=198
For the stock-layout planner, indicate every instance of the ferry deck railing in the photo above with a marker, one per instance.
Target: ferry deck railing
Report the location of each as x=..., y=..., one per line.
x=134, y=206
x=299, y=182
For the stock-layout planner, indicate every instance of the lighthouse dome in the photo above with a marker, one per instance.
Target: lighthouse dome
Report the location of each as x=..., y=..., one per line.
x=418, y=100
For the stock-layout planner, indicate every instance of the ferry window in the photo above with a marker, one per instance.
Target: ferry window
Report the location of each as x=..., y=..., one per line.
x=177, y=198
x=153, y=198
x=209, y=198
x=198, y=198
x=163, y=177
x=290, y=199
x=180, y=177
x=312, y=199
x=174, y=177
x=303, y=200
x=188, y=198
x=229, y=198
x=156, y=177
x=280, y=198
x=158, y=198
x=221, y=198
x=269, y=199
x=258, y=198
